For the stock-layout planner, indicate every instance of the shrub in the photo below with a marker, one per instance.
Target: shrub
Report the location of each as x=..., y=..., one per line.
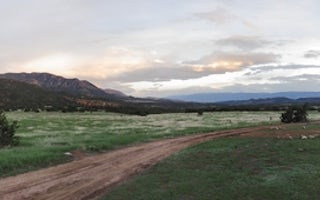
x=7, y=131
x=298, y=114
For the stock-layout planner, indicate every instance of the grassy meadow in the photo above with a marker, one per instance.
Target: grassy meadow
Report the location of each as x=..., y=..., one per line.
x=226, y=168
x=232, y=168
x=46, y=136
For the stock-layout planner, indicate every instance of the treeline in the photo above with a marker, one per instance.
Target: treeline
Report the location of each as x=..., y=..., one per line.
x=247, y=108
x=144, y=110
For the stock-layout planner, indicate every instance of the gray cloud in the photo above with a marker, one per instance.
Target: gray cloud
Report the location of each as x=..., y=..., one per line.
x=222, y=16
x=244, y=42
x=263, y=69
x=218, y=16
x=298, y=83
x=159, y=72
x=312, y=54
x=303, y=82
x=295, y=83
x=197, y=68
x=233, y=61
x=246, y=58
x=301, y=78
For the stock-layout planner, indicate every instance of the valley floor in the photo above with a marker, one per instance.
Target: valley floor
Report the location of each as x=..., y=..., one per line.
x=92, y=176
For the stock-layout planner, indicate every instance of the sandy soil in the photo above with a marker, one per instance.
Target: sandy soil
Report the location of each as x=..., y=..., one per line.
x=92, y=176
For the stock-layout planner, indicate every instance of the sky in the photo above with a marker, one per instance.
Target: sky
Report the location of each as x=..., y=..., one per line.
x=162, y=48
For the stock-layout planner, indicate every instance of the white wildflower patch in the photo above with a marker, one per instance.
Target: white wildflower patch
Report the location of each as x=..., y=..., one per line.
x=54, y=128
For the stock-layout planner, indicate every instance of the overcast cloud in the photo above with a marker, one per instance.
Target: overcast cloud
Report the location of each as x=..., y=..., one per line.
x=156, y=48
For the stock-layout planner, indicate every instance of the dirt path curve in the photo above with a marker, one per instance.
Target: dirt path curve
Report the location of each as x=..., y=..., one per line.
x=91, y=177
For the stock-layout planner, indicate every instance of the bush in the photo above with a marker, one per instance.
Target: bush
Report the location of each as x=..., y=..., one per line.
x=298, y=114
x=200, y=112
x=7, y=131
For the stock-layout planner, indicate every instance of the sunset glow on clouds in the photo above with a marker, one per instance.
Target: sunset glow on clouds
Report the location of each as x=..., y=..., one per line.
x=160, y=48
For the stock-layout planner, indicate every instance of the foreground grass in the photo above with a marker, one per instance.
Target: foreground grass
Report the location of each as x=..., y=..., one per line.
x=232, y=168
x=45, y=137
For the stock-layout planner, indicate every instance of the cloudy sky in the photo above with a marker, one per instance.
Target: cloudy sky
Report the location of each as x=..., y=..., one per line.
x=160, y=48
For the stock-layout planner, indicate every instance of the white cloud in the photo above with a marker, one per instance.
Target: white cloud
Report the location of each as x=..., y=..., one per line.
x=273, y=77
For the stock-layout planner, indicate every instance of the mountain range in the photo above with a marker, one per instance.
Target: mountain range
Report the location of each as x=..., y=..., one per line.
x=15, y=95
x=42, y=90
x=229, y=97
x=72, y=87
x=38, y=91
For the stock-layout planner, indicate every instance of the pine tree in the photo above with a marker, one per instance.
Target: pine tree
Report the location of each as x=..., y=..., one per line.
x=7, y=131
x=298, y=114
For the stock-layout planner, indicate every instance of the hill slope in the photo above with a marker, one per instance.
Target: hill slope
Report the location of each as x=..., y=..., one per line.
x=43, y=87
x=19, y=95
x=74, y=87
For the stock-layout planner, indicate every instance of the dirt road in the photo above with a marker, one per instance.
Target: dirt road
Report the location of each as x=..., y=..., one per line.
x=92, y=176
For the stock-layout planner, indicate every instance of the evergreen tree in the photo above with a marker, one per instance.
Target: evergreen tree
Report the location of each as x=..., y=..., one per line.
x=298, y=114
x=7, y=131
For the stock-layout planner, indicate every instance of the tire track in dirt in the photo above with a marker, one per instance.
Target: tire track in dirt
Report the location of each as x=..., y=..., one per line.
x=93, y=176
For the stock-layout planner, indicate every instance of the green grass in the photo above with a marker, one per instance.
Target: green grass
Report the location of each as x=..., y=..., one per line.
x=45, y=137
x=232, y=168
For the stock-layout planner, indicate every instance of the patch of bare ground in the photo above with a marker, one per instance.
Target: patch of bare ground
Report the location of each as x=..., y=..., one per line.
x=90, y=177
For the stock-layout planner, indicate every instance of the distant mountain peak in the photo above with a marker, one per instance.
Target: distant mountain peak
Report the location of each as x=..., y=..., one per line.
x=74, y=86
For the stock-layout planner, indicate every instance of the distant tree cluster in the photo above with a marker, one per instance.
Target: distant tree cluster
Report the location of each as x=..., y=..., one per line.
x=7, y=131
x=295, y=114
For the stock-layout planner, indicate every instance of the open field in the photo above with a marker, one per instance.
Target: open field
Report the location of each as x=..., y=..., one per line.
x=45, y=137
x=232, y=168
x=257, y=163
x=187, y=178
x=91, y=177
